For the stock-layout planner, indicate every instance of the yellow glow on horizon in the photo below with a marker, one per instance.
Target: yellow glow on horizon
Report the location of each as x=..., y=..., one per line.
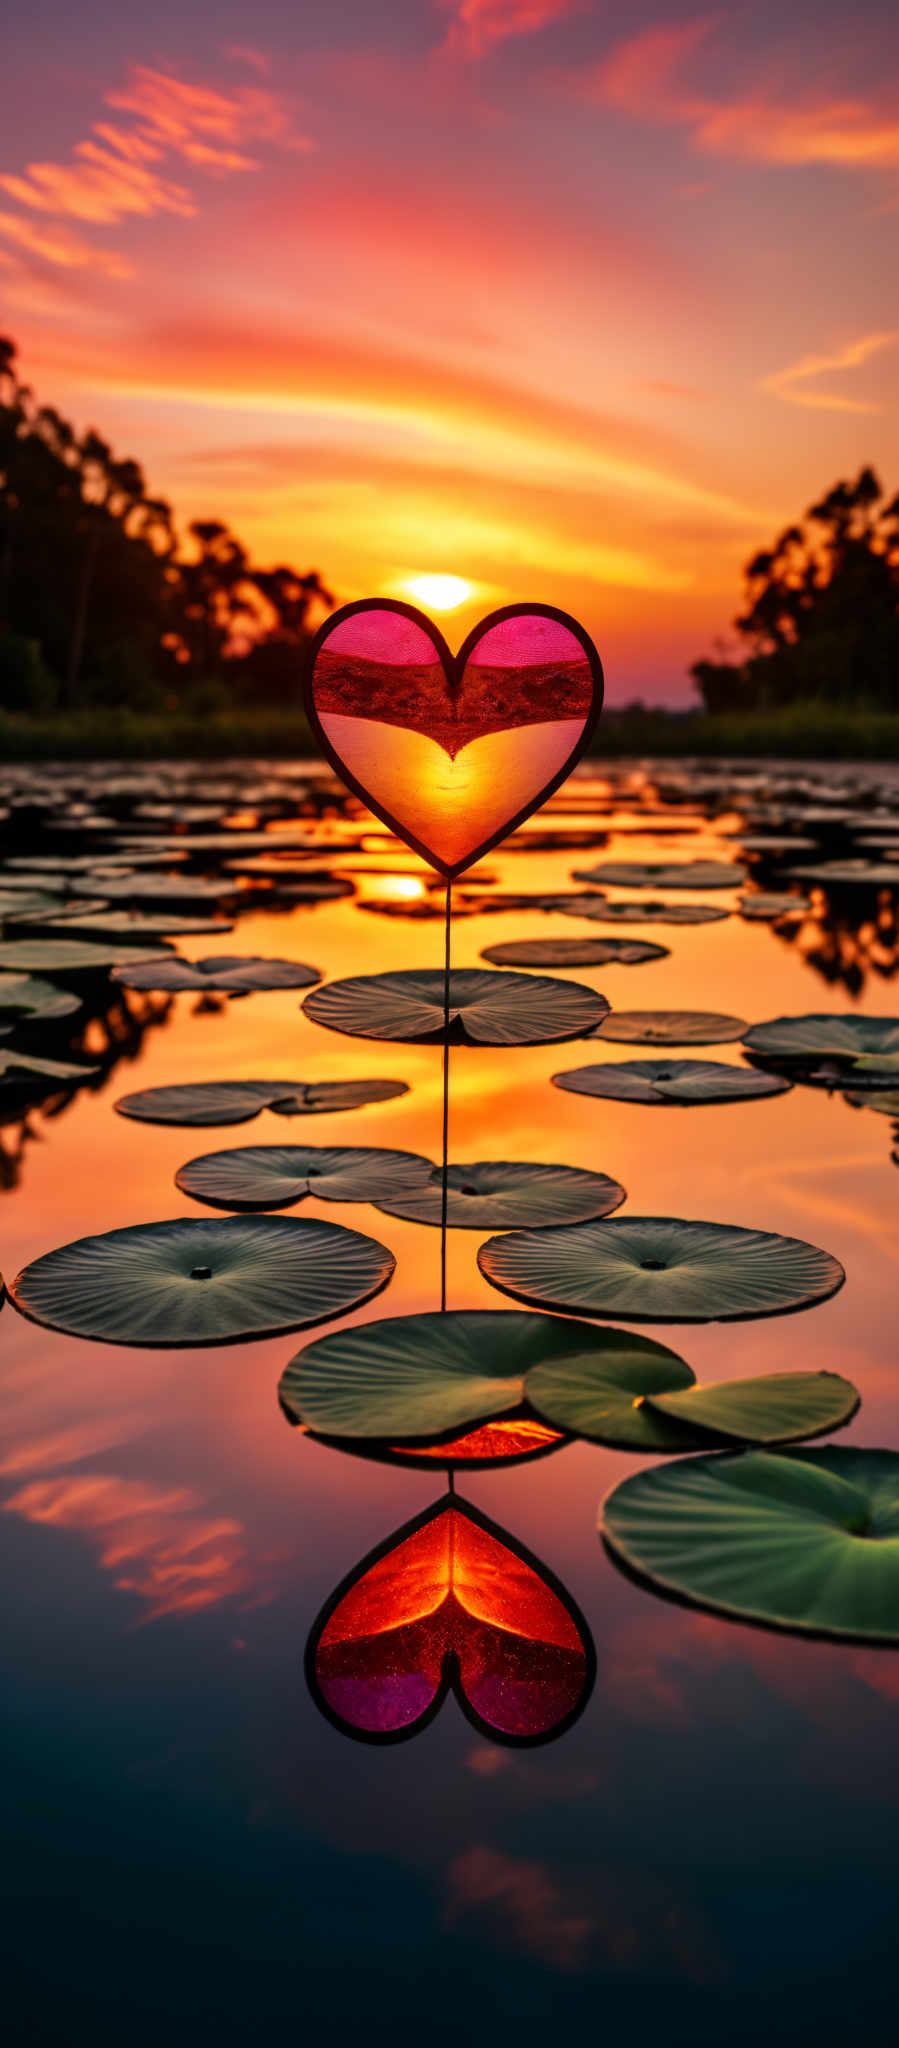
x=439, y=593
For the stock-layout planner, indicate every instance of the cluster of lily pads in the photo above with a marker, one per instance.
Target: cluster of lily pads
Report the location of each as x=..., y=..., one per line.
x=807, y=1540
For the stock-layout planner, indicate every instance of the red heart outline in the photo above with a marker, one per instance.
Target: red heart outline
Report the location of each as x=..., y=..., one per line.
x=450, y=1677
x=453, y=668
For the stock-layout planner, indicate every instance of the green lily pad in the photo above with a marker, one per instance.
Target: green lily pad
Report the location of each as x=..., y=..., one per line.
x=203, y=1104
x=671, y=1081
x=410, y=1377
x=649, y=874
x=501, y=1194
x=661, y=1269
x=669, y=1027
x=17, y=906
x=801, y=1540
x=226, y=973
x=65, y=956
x=23, y=995
x=583, y=1397
x=276, y=1176
x=651, y=912
x=485, y=1008
x=214, y=1280
x=15, y=1065
x=886, y=1100
x=776, y=1408
x=842, y=1038
x=574, y=952
x=767, y=907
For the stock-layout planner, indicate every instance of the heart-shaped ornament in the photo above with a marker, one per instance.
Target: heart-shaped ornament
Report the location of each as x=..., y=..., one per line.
x=448, y=1604
x=452, y=751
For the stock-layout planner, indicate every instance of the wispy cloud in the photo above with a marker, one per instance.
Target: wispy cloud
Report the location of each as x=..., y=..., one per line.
x=115, y=171
x=56, y=244
x=478, y=25
x=158, y=1542
x=792, y=384
x=647, y=75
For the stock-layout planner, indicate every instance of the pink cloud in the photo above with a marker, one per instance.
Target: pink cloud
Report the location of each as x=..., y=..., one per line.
x=478, y=25
x=58, y=245
x=157, y=1541
x=646, y=76
x=792, y=384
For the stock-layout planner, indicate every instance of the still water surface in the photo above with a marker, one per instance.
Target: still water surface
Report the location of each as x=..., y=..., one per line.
x=193, y=1851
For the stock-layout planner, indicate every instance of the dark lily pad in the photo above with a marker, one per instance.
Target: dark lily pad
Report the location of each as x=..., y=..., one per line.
x=485, y=1008
x=205, y=1103
x=819, y=1036
x=151, y=887
x=136, y=925
x=661, y=1269
x=672, y=1081
x=23, y=995
x=885, y=1099
x=669, y=1027
x=17, y=906
x=426, y=1375
x=651, y=912
x=276, y=1176
x=228, y=973
x=65, y=956
x=500, y=1194
x=849, y=874
x=15, y=1065
x=801, y=1540
x=214, y=1280
x=574, y=952
x=649, y=874
x=766, y=908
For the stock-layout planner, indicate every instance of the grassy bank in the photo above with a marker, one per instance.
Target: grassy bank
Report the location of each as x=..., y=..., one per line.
x=799, y=732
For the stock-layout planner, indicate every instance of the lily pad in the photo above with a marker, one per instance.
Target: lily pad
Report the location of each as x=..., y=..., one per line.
x=205, y=1103
x=849, y=874
x=766, y=908
x=151, y=887
x=229, y=973
x=485, y=1008
x=214, y=1280
x=574, y=952
x=842, y=1038
x=136, y=925
x=649, y=874
x=652, y=911
x=500, y=1194
x=669, y=1027
x=661, y=1269
x=801, y=1540
x=776, y=1408
x=23, y=995
x=65, y=956
x=630, y=1410
x=14, y=1065
x=276, y=1176
x=17, y=906
x=428, y=1375
x=671, y=1081
x=886, y=1100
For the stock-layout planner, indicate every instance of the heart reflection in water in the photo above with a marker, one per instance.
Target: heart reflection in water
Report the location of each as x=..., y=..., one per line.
x=449, y=1603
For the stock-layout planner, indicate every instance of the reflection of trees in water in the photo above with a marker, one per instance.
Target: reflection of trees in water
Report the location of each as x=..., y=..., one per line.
x=111, y=1033
x=850, y=935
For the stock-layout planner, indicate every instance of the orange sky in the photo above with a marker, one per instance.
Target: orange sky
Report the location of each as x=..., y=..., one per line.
x=575, y=303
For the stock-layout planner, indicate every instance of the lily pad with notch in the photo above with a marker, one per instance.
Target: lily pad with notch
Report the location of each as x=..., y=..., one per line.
x=675, y=1082
x=649, y=874
x=661, y=1269
x=584, y=952
x=670, y=1027
x=503, y=1194
x=484, y=1008
x=802, y=1540
x=213, y=1280
x=583, y=1396
x=26, y=996
x=277, y=1176
x=202, y=1104
x=653, y=911
x=221, y=973
x=430, y=1375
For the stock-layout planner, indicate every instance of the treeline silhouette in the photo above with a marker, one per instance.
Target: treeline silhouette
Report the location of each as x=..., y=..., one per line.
x=821, y=613
x=100, y=606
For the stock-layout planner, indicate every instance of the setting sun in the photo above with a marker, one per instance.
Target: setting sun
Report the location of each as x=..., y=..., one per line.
x=439, y=593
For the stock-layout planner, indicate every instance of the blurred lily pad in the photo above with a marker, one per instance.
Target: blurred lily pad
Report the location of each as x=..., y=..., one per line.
x=804, y=1540
x=502, y=1194
x=229, y=973
x=485, y=1008
x=15, y=1065
x=423, y=1375
x=652, y=911
x=573, y=952
x=276, y=1176
x=24, y=995
x=849, y=874
x=669, y=1027
x=206, y=1103
x=676, y=874
x=661, y=1269
x=136, y=925
x=151, y=887
x=885, y=1099
x=215, y=1280
x=671, y=1081
x=842, y=1038
x=766, y=908
x=65, y=956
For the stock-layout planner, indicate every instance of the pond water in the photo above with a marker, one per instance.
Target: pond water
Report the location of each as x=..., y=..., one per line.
x=193, y=1848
